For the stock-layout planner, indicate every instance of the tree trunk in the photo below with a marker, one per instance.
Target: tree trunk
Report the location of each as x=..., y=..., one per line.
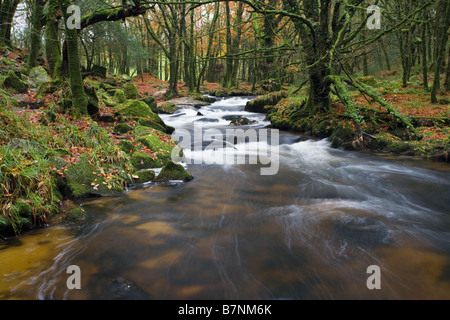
x=79, y=98
x=36, y=28
x=52, y=46
x=424, y=55
x=227, y=81
x=7, y=11
x=442, y=39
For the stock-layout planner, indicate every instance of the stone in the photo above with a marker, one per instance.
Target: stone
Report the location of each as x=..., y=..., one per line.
x=131, y=91
x=12, y=81
x=168, y=108
x=143, y=176
x=83, y=181
x=38, y=76
x=258, y=104
x=151, y=102
x=174, y=172
x=126, y=146
x=77, y=214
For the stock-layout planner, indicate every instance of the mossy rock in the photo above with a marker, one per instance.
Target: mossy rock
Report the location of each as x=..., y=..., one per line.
x=134, y=109
x=173, y=171
x=91, y=93
x=131, y=91
x=119, y=96
x=142, y=161
x=163, y=150
x=77, y=215
x=340, y=135
x=271, y=99
x=143, y=176
x=50, y=87
x=122, y=128
x=151, y=102
x=57, y=162
x=152, y=125
x=38, y=76
x=126, y=146
x=168, y=108
x=139, y=110
x=13, y=82
x=80, y=182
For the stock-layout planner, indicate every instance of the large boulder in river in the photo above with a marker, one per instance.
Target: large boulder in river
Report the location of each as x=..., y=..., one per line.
x=173, y=172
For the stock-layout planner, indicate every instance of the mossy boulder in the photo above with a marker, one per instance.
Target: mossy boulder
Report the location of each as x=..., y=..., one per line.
x=12, y=81
x=143, y=176
x=271, y=99
x=168, y=108
x=134, y=109
x=173, y=171
x=122, y=128
x=82, y=180
x=91, y=93
x=119, y=96
x=142, y=161
x=76, y=215
x=161, y=145
x=38, y=76
x=342, y=134
x=140, y=111
x=131, y=91
x=151, y=102
x=126, y=146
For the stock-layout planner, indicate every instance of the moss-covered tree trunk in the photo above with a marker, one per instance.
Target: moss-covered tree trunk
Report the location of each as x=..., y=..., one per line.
x=442, y=39
x=79, y=98
x=52, y=45
x=37, y=18
x=316, y=46
x=7, y=10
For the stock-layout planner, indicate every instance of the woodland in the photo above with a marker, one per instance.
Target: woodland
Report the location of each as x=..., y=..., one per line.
x=368, y=75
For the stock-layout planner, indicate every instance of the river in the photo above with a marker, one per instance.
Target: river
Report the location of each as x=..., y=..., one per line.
x=310, y=231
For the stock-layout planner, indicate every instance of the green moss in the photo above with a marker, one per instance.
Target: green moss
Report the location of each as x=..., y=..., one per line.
x=270, y=99
x=152, y=125
x=126, y=146
x=122, y=128
x=168, y=108
x=77, y=214
x=341, y=135
x=163, y=150
x=151, y=102
x=133, y=109
x=131, y=91
x=119, y=96
x=144, y=161
x=173, y=171
x=144, y=176
x=83, y=180
x=13, y=82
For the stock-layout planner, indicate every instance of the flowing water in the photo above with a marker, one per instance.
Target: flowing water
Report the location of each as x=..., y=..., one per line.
x=308, y=232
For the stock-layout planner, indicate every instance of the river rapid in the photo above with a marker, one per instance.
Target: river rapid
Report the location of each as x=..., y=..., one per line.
x=310, y=231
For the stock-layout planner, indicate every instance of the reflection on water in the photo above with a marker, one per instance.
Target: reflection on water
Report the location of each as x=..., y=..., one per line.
x=310, y=232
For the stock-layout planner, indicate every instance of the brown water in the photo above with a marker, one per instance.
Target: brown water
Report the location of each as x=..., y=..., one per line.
x=309, y=232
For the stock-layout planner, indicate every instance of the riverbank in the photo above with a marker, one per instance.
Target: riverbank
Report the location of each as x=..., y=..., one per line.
x=47, y=155
x=379, y=129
